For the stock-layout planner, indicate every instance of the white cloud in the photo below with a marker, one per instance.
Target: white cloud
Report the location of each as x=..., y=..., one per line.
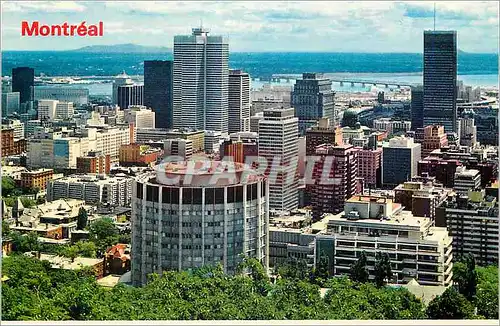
x=42, y=6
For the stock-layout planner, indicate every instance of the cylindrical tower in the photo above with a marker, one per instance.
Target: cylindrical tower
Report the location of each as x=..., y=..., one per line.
x=189, y=216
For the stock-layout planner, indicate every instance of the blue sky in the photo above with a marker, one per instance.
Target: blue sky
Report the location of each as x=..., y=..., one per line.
x=369, y=26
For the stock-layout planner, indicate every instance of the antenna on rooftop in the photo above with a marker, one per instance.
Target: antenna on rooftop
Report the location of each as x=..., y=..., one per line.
x=434, y=16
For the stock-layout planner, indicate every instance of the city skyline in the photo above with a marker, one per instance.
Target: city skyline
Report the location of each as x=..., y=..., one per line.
x=256, y=28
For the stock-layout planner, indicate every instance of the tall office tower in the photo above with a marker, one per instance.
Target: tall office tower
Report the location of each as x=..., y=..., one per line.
x=313, y=98
x=335, y=178
x=23, y=80
x=10, y=103
x=239, y=101
x=468, y=129
x=201, y=74
x=121, y=80
x=158, y=89
x=440, y=79
x=129, y=95
x=278, y=144
x=191, y=223
x=399, y=160
x=417, y=107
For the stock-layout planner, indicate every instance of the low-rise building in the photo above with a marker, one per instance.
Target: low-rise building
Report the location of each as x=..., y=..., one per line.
x=146, y=135
x=139, y=155
x=372, y=224
x=421, y=196
x=59, y=262
x=93, y=189
x=94, y=162
x=36, y=178
x=117, y=259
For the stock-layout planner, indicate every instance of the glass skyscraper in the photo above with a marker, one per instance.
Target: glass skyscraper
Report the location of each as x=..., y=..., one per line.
x=23, y=80
x=440, y=79
x=201, y=77
x=158, y=89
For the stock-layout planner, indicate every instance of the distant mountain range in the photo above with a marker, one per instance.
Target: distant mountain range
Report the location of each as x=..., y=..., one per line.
x=123, y=48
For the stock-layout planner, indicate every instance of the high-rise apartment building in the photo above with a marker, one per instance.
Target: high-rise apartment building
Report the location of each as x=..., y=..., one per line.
x=23, y=80
x=313, y=98
x=417, y=107
x=472, y=221
x=239, y=101
x=440, y=79
x=399, y=160
x=190, y=223
x=201, y=73
x=335, y=178
x=278, y=144
x=158, y=90
x=370, y=166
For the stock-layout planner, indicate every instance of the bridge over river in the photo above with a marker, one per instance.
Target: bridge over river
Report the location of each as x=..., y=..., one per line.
x=287, y=78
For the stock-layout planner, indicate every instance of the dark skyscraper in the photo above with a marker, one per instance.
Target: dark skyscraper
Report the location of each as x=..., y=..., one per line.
x=23, y=80
x=417, y=107
x=130, y=95
x=440, y=79
x=158, y=81
x=313, y=99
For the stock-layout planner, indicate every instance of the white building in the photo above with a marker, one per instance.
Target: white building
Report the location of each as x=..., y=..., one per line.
x=64, y=110
x=370, y=224
x=201, y=75
x=93, y=189
x=213, y=140
x=47, y=109
x=140, y=116
x=178, y=147
x=239, y=101
x=278, y=143
x=18, y=127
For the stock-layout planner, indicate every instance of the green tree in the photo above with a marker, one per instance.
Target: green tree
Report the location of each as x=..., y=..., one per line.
x=8, y=186
x=486, y=299
x=320, y=273
x=5, y=228
x=349, y=119
x=82, y=219
x=71, y=252
x=465, y=276
x=86, y=249
x=359, y=271
x=103, y=233
x=450, y=305
x=382, y=271
x=27, y=202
